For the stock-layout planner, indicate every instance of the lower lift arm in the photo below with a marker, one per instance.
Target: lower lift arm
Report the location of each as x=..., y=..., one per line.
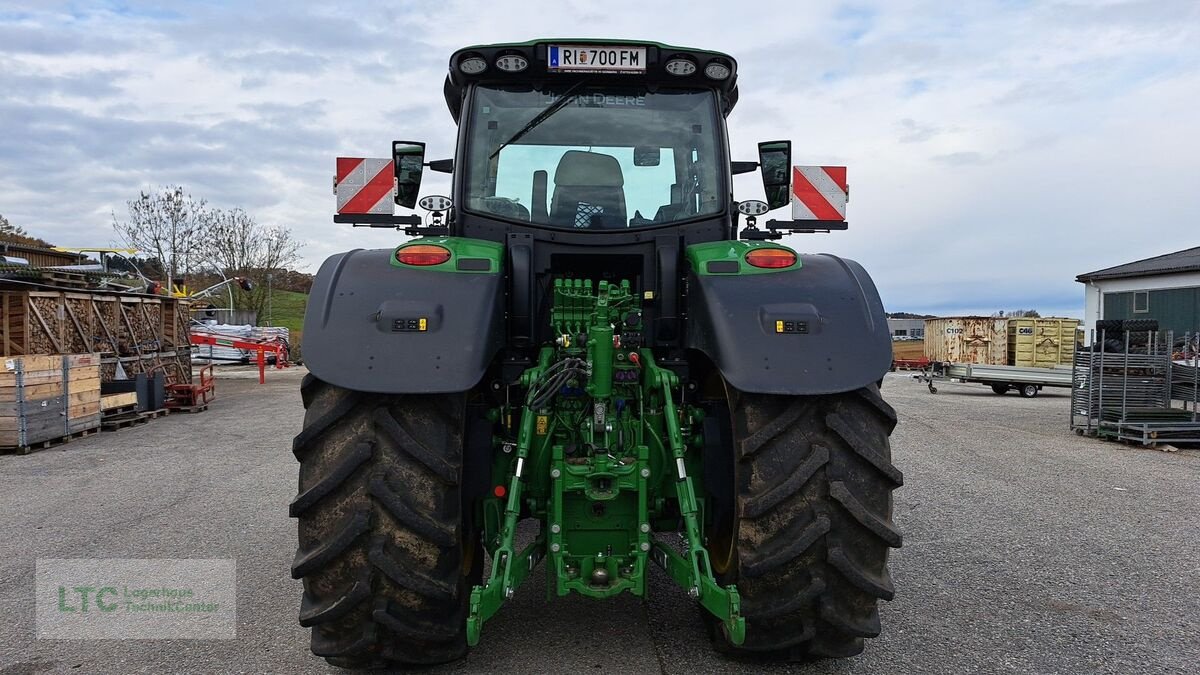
x=693, y=573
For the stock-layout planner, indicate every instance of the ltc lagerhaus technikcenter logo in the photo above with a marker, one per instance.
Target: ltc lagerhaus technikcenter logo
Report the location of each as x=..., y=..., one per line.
x=97, y=599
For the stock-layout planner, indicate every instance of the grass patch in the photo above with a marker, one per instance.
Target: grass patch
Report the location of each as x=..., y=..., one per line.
x=287, y=310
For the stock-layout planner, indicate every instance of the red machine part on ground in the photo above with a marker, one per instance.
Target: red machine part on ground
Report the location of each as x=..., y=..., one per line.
x=275, y=346
x=193, y=396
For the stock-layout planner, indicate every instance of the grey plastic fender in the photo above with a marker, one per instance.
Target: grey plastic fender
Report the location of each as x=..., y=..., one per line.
x=362, y=326
x=836, y=336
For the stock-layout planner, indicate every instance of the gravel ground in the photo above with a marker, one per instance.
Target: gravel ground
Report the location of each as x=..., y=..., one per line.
x=1027, y=549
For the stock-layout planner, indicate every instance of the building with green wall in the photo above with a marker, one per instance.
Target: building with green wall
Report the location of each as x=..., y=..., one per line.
x=1165, y=288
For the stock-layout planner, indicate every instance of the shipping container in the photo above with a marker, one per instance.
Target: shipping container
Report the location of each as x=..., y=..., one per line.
x=1041, y=342
x=967, y=339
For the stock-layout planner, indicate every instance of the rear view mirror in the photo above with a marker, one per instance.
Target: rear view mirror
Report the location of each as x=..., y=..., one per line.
x=775, y=158
x=409, y=161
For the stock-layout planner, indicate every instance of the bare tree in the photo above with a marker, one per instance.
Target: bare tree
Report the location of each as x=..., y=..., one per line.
x=230, y=241
x=168, y=225
x=240, y=246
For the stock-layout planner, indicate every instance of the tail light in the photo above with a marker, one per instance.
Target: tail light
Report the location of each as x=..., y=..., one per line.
x=422, y=255
x=771, y=258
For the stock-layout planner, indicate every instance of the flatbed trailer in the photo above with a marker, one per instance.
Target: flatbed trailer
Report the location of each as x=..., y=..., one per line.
x=1026, y=381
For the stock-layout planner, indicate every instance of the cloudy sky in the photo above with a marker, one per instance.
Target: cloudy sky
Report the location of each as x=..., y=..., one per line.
x=995, y=149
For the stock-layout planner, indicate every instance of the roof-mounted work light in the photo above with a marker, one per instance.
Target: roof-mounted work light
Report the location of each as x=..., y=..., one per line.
x=512, y=63
x=717, y=70
x=472, y=65
x=680, y=67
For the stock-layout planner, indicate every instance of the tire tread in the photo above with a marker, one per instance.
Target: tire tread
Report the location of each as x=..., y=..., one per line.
x=384, y=583
x=812, y=546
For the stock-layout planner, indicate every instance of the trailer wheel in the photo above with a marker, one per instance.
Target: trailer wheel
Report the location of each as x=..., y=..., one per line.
x=386, y=556
x=1001, y=389
x=1028, y=390
x=808, y=541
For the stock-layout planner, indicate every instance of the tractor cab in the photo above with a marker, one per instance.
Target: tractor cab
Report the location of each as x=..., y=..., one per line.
x=589, y=139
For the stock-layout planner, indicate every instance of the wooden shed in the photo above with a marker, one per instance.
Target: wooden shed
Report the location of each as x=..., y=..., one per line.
x=37, y=256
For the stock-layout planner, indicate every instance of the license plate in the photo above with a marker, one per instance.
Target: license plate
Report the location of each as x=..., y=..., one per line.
x=597, y=59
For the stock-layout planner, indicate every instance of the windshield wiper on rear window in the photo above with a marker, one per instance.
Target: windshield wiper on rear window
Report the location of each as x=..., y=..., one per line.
x=540, y=117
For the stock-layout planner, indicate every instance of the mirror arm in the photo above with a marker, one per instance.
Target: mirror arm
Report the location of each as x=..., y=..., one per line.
x=441, y=165
x=410, y=224
x=806, y=226
x=377, y=220
x=754, y=234
x=743, y=167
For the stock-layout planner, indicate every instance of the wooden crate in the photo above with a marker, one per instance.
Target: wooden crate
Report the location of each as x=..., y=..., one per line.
x=114, y=401
x=47, y=397
x=31, y=400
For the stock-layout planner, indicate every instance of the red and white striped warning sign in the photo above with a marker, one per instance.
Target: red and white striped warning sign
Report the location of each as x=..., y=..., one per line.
x=819, y=193
x=364, y=185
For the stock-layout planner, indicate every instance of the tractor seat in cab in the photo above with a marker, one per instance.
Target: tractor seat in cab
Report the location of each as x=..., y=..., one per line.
x=588, y=191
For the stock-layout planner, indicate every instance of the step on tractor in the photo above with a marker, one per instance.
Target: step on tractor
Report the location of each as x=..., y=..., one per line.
x=590, y=357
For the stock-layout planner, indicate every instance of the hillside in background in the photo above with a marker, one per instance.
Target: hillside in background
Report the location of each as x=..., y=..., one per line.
x=287, y=310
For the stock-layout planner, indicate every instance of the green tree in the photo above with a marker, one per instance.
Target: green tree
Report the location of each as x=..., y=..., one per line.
x=7, y=229
x=15, y=234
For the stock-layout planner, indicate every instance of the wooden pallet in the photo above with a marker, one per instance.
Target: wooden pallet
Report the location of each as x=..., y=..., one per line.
x=120, y=411
x=73, y=280
x=49, y=443
x=123, y=421
x=130, y=419
x=189, y=408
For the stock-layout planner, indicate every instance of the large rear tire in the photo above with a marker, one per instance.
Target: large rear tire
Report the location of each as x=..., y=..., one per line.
x=809, y=542
x=385, y=556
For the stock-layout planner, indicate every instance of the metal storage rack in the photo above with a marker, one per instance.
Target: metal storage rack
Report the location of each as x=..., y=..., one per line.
x=1129, y=395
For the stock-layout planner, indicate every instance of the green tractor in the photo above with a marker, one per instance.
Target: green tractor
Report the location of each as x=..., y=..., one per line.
x=590, y=336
